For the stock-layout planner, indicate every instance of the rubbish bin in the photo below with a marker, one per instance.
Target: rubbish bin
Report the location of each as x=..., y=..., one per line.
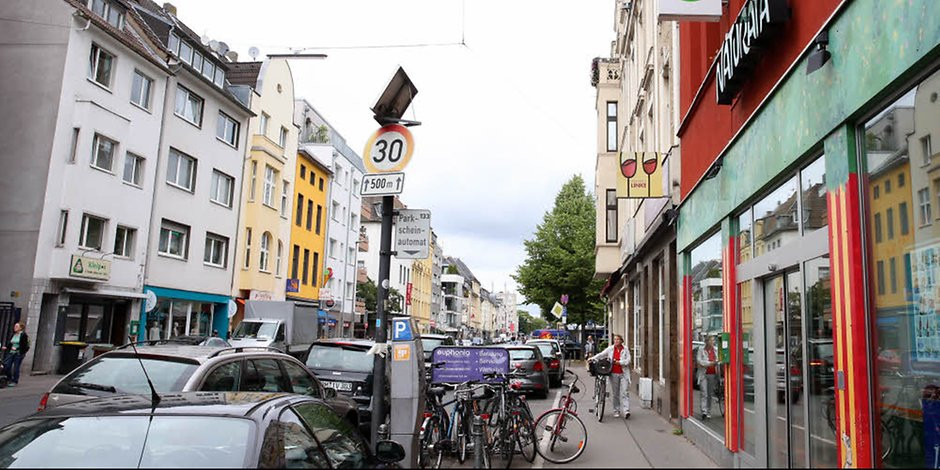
x=68, y=355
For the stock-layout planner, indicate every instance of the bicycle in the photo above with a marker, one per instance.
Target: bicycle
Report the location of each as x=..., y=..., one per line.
x=600, y=370
x=510, y=421
x=563, y=435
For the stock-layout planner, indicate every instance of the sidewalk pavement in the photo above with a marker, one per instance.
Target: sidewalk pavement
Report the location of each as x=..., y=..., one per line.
x=646, y=440
x=23, y=399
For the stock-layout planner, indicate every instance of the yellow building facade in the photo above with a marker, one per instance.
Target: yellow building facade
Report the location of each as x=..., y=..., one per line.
x=264, y=222
x=308, y=225
x=421, y=291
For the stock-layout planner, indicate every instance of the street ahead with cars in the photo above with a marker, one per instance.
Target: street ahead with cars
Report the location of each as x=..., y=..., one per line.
x=187, y=403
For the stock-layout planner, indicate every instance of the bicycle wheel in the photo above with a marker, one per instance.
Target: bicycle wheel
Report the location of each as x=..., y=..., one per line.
x=460, y=438
x=525, y=436
x=720, y=398
x=560, y=436
x=503, y=445
x=600, y=399
x=430, y=454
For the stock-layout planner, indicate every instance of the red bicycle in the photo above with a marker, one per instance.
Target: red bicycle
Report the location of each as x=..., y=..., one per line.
x=560, y=434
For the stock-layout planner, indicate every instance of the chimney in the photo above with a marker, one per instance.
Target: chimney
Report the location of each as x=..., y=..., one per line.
x=169, y=8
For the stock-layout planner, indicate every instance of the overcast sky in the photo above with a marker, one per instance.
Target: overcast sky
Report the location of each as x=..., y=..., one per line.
x=507, y=119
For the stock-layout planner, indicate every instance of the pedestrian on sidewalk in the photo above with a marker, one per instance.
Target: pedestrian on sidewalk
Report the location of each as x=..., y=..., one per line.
x=15, y=348
x=619, y=357
x=707, y=359
x=589, y=346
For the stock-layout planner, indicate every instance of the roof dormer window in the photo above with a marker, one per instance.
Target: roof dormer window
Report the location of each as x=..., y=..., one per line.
x=113, y=14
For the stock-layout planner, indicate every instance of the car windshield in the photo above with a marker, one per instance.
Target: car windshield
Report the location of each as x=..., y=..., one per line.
x=123, y=372
x=126, y=441
x=430, y=344
x=339, y=358
x=519, y=355
x=548, y=349
x=255, y=330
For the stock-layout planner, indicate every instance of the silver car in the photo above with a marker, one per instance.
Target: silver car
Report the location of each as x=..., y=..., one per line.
x=528, y=361
x=554, y=358
x=177, y=368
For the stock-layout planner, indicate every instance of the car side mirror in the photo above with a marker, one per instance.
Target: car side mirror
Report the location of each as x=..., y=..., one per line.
x=329, y=393
x=389, y=452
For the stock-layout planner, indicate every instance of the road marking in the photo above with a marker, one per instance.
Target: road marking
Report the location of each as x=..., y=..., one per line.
x=539, y=461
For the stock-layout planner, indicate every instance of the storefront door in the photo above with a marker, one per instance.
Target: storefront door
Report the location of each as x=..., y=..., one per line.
x=786, y=410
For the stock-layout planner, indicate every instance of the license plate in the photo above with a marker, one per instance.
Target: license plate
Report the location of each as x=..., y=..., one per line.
x=339, y=386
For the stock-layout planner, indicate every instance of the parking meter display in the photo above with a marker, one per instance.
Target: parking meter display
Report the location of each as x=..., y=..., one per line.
x=461, y=364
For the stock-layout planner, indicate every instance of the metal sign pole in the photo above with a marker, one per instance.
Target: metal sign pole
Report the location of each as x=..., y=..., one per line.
x=381, y=329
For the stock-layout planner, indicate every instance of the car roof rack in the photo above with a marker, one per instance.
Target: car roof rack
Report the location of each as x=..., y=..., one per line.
x=240, y=349
x=154, y=342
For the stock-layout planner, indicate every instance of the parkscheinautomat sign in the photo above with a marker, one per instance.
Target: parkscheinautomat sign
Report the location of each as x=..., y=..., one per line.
x=740, y=50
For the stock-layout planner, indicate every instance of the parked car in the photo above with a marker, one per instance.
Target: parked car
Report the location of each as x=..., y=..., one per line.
x=528, y=361
x=196, y=340
x=192, y=430
x=181, y=368
x=343, y=365
x=553, y=358
x=430, y=342
x=282, y=325
x=821, y=366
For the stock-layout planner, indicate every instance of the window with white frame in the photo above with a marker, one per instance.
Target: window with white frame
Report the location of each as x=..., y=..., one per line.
x=133, y=169
x=92, y=232
x=111, y=12
x=102, y=156
x=208, y=69
x=335, y=213
x=100, y=66
x=270, y=176
x=265, y=251
x=264, y=123
x=282, y=139
x=189, y=105
x=174, y=239
x=186, y=52
x=197, y=61
x=280, y=257
x=141, y=89
x=254, y=180
x=173, y=43
x=124, y=241
x=63, y=227
x=219, y=79
x=216, y=253
x=926, y=148
x=923, y=197
x=612, y=139
x=247, y=248
x=349, y=291
x=612, y=217
x=227, y=129
x=285, y=189
x=351, y=256
x=223, y=187
x=333, y=252
x=181, y=170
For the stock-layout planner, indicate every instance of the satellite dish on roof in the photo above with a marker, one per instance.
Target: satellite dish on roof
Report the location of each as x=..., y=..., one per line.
x=204, y=39
x=223, y=48
x=214, y=45
x=254, y=52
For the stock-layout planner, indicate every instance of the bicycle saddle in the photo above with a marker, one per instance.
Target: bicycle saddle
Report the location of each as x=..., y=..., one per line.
x=437, y=391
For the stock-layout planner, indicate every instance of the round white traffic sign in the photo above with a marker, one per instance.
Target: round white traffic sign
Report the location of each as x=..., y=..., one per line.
x=389, y=149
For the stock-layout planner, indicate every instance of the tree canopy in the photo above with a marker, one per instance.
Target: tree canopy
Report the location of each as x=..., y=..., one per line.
x=560, y=257
x=528, y=323
x=368, y=293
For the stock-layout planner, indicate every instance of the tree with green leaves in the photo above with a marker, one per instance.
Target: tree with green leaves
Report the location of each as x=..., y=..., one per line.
x=368, y=293
x=560, y=257
x=528, y=323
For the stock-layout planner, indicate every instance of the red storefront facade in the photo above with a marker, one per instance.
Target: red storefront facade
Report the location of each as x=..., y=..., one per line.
x=804, y=238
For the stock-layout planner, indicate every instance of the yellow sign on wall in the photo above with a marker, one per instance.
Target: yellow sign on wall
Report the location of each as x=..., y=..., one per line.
x=640, y=176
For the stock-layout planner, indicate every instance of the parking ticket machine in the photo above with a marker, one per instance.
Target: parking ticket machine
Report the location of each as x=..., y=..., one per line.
x=407, y=387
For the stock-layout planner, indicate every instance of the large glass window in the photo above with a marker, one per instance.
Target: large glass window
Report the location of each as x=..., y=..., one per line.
x=905, y=270
x=612, y=126
x=775, y=219
x=707, y=324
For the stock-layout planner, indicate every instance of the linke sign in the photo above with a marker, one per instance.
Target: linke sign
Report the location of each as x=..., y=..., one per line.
x=739, y=50
x=468, y=363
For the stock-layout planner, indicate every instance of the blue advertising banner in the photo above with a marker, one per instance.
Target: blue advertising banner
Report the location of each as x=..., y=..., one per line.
x=462, y=364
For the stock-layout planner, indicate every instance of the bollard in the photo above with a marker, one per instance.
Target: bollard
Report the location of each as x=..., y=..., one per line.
x=478, y=449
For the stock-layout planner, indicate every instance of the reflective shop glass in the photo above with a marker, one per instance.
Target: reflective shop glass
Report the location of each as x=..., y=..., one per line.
x=776, y=221
x=707, y=321
x=905, y=307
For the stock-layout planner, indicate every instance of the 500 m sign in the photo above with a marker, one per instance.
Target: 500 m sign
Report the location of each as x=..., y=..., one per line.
x=389, y=149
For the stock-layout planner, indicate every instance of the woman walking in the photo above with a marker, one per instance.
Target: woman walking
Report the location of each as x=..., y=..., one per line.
x=619, y=357
x=16, y=348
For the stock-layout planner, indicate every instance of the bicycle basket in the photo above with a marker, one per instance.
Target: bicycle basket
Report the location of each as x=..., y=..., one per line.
x=601, y=367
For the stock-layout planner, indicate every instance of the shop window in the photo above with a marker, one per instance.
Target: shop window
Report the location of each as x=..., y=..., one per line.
x=905, y=305
x=813, y=196
x=745, y=245
x=707, y=325
x=89, y=322
x=775, y=218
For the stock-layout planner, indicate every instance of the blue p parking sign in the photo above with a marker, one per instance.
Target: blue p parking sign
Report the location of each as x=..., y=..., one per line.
x=401, y=329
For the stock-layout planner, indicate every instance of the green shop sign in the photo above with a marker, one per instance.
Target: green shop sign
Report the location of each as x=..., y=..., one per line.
x=90, y=268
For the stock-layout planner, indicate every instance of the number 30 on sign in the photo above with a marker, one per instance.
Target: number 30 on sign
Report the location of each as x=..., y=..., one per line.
x=389, y=149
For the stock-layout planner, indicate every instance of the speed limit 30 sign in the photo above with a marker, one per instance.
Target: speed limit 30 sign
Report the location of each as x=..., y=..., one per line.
x=389, y=149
